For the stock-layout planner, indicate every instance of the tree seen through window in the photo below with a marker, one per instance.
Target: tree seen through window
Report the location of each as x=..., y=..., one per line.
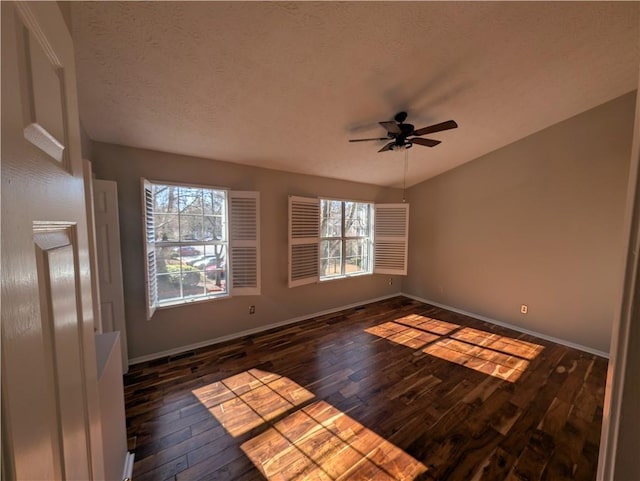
x=345, y=245
x=191, y=241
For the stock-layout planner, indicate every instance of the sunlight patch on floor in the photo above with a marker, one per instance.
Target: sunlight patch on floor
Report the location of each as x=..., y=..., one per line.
x=321, y=442
x=499, y=356
x=507, y=345
x=429, y=324
x=302, y=441
x=401, y=334
x=247, y=400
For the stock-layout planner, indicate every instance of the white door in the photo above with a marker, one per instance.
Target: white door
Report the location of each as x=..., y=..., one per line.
x=50, y=411
x=105, y=201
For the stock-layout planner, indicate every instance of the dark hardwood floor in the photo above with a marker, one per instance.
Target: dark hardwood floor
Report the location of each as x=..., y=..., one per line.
x=396, y=389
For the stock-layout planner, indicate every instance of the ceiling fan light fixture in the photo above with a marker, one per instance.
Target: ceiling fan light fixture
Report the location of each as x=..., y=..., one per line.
x=403, y=136
x=405, y=146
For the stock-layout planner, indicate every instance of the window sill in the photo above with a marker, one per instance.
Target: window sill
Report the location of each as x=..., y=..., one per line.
x=186, y=302
x=346, y=276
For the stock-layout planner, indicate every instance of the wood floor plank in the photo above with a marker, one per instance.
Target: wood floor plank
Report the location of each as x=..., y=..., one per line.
x=495, y=467
x=395, y=389
x=175, y=451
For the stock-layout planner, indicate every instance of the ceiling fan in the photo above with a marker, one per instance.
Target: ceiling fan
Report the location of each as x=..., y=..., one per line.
x=405, y=135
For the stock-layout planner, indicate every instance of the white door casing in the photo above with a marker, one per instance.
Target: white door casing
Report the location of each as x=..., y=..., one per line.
x=91, y=237
x=50, y=409
x=619, y=436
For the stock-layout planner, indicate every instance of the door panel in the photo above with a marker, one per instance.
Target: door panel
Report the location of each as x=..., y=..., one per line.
x=42, y=89
x=50, y=411
x=56, y=263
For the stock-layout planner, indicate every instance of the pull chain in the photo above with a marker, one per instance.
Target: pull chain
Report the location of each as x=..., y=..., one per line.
x=406, y=168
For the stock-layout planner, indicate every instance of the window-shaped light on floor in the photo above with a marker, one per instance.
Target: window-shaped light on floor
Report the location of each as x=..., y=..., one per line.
x=401, y=334
x=321, y=442
x=499, y=356
x=249, y=399
x=414, y=331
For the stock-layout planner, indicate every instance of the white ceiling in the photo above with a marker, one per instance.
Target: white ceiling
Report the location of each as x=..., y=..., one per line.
x=284, y=85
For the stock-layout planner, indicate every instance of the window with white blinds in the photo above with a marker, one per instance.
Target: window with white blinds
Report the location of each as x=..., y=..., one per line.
x=245, y=242
x=201, y=243
x=391, y=232
x=331, y=239
x=304, y=240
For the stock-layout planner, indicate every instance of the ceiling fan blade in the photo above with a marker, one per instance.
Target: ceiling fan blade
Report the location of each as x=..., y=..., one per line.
x=391, y=127
x=389, y=146
x=426, y=142
x=449, y=124
x=367, y=140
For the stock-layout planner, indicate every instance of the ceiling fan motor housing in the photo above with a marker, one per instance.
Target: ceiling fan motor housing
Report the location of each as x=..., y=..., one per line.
x=400, y=117
x=405, y=131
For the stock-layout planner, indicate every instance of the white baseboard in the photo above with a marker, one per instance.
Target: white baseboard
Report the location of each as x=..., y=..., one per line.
x=248, y=332
x=127, y=474
x=511, y=326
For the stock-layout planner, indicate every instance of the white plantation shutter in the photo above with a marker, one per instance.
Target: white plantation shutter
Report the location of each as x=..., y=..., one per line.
x=149, y=236
x=244, y=245
x=304, y=240
x=391, y=241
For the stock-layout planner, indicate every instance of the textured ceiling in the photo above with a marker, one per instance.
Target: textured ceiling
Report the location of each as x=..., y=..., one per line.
x=284, y=85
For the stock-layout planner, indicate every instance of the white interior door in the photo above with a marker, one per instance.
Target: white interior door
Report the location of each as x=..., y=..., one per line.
x=105, y=201
x=50, y=411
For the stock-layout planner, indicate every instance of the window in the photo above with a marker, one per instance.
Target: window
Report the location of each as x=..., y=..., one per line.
x=201, y=243
x=333, y=239
x=345, y=241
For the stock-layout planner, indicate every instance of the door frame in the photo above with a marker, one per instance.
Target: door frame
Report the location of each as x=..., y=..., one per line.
x=624, y=331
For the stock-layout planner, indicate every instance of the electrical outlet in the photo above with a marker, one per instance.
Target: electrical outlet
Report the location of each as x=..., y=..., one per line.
x=252, y=309
x=524, y=309
x=390, y=281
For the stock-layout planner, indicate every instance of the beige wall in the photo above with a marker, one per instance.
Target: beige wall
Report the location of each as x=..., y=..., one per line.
x=195, y=323
x=538, y=222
